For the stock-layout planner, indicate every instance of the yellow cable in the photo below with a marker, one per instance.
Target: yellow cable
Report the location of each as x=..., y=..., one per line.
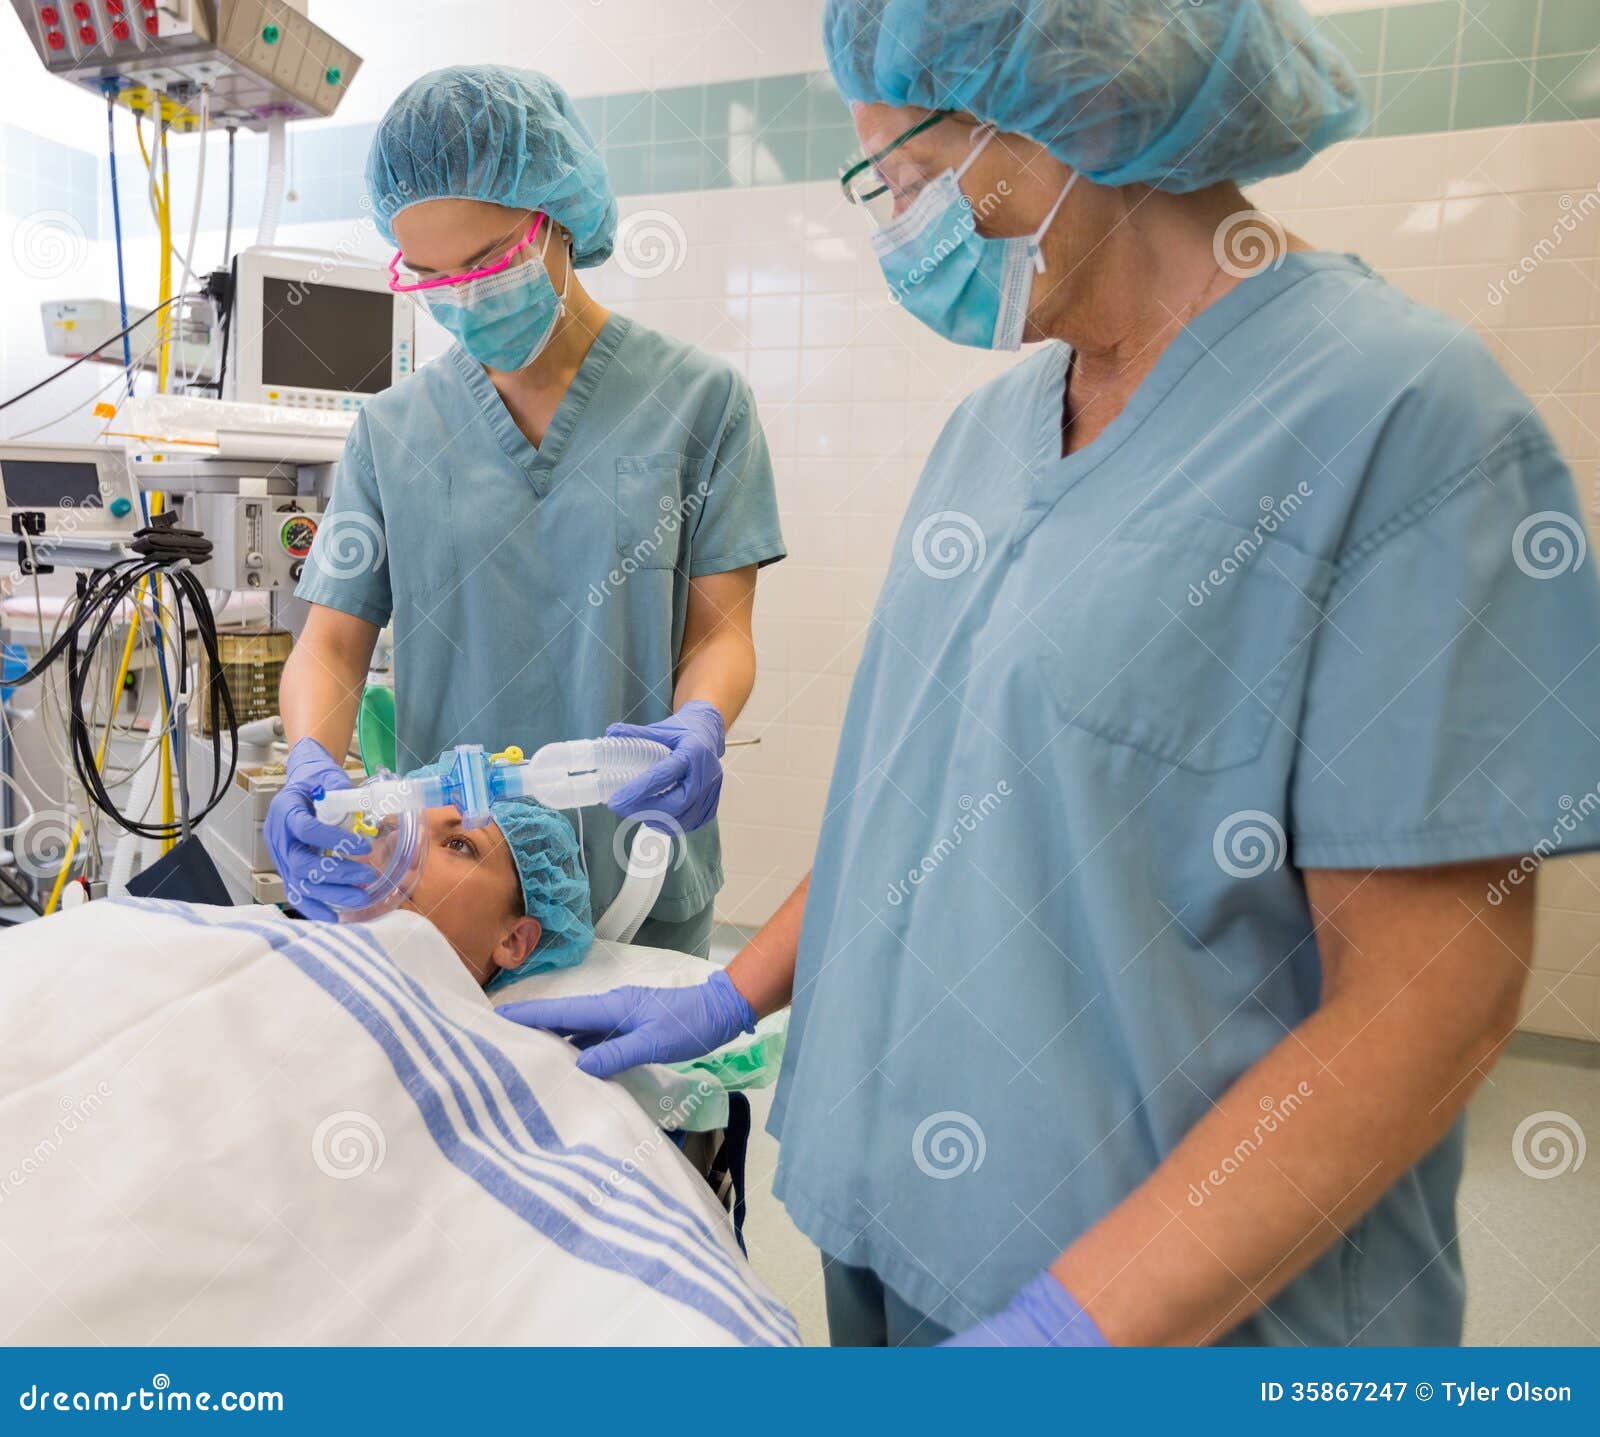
x=164, y=213
x=105, y=743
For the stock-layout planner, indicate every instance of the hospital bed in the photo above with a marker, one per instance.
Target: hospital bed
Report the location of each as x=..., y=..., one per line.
x=237, y=1127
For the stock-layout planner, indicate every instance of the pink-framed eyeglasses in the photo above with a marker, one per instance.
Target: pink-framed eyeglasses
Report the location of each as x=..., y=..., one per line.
x=402, y=285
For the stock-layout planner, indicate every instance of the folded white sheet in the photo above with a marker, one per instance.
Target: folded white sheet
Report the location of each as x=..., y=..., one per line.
x=220, y=1126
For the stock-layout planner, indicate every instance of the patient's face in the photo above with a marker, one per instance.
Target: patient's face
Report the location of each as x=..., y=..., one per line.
x=470, y=892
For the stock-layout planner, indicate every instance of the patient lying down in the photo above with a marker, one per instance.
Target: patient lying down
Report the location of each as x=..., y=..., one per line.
x=510, y=897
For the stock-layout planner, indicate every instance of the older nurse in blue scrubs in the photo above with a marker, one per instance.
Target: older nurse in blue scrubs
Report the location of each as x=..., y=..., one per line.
x=563, y=516
x=1237, y=643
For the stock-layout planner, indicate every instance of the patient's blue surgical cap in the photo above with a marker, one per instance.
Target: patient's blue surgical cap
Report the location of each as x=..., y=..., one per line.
x=1166, y=93
x=488, y=132
x=554, y=889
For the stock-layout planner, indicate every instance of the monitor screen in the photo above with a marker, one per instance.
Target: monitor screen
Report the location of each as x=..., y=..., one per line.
x=46, y=483
x=324, y=336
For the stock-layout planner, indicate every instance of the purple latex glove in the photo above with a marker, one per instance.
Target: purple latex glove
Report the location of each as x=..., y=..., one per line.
x=634, y=1025
x=312, y=879
x=686, y=785
x=1043, y=1314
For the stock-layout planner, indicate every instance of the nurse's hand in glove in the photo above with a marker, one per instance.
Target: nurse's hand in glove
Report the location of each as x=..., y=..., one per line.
x=634, y=1025
x=300, y=843
x=685, y=786
x=1043, y=1314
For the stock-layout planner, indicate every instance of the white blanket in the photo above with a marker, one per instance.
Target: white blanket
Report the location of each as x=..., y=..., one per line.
x=220, y=1126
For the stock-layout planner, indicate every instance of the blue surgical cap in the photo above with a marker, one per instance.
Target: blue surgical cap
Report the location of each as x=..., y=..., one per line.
x=488, y=132
x=554, y=889
x=1166, y=93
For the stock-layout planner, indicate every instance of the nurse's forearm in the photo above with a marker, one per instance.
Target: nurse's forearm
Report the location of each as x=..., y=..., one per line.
x=722, y=671
x=717, y=657
x=763, y=970
x=1421, y=987
x=324, y=677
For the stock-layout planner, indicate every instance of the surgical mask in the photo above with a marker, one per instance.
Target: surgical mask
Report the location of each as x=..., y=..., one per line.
x=966, y=286
x=503, y=320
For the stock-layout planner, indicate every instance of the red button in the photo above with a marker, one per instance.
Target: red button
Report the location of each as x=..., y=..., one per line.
x=55, y=39
x=152, y=23
x=113, y=7
x=119, y=28
x=49, y=14
x=86, y=34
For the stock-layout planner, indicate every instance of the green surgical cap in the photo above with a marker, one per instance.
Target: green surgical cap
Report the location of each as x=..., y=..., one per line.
x=1175, y=94
x=488, y=132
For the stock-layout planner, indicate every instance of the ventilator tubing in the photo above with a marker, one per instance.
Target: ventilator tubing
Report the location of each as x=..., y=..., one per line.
x=582, y=773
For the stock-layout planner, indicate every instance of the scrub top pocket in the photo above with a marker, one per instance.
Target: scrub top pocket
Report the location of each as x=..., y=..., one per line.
x=1183, y=639
x=652, y=515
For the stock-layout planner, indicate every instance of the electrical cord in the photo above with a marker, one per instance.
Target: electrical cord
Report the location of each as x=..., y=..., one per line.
x=88, y=355
x=99, y=599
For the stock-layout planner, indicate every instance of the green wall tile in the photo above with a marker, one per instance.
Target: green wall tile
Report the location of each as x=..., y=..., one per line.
x=1358, y=34
x=825, y=105
x=781, y=102
x=730, y=105
x=1424, y=67
x=678, y=114
x=629, y=168
x=1493, y=94
x=628, y=119
x=829, y=149
x=785, y=150
x=676, y=165
x=1411, y=102
x=1497, y=29
x=1567, y=88
x=1418, y=37
x=1569, y=27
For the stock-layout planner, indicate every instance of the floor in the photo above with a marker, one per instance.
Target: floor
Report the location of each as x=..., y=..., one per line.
x=1530, y=1244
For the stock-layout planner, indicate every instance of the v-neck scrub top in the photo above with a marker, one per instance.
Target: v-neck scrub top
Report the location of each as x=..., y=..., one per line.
x=1319, y=597
x=539, y=593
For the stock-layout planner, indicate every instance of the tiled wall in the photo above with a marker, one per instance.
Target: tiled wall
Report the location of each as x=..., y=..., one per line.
x=1452, y=192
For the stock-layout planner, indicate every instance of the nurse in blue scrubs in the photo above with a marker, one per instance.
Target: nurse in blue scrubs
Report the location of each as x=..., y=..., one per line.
x=562, y=517
x=1237, y=644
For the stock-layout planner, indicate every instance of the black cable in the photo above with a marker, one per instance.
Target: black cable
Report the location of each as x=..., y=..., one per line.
x=21, y=894
x=90, y=354
x=99, y=598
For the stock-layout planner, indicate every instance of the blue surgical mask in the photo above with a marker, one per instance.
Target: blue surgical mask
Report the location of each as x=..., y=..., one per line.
x=970, y=288
x=503, y=320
